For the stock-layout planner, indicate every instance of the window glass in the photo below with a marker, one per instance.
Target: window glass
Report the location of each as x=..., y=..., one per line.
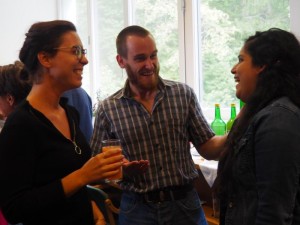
x=160, y=17
x=108, y=21
x=82, y=26
x=224, y=26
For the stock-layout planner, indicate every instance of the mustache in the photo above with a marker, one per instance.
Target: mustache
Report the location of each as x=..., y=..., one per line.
x=154, y=70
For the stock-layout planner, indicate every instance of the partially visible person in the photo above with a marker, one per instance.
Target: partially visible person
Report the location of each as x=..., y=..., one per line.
x=80, y=99
x=156, y=120
x=45, y=160
x=14, y=87
x=259, y=172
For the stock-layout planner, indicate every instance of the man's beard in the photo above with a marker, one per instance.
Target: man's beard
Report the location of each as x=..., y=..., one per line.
x=134, y=78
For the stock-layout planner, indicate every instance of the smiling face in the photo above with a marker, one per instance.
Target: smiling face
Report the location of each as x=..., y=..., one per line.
x=141, y=63
x=65, y=67
x=245, y=74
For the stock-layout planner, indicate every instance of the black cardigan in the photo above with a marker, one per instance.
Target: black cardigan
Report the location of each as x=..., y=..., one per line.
x=34, y=156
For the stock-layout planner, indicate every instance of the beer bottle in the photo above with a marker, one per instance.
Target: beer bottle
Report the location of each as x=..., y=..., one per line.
x=232, y=118
x=241, y=104
x=218, y=125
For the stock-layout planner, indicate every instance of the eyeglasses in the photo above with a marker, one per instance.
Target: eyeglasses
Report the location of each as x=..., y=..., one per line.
x=77, y=50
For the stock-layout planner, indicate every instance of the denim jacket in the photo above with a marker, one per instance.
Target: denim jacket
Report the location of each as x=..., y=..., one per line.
x=266, y=170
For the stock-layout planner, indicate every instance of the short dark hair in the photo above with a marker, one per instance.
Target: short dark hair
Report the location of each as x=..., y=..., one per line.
x=127, y=31
x=43, y=36
x=14, y=81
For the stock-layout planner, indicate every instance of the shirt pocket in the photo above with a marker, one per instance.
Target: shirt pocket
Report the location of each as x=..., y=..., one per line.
x=175, y=128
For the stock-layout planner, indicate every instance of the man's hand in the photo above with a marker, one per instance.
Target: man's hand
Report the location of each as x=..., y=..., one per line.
x=135, y=168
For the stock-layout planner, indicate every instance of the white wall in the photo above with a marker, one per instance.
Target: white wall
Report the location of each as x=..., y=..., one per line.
x=16, y=16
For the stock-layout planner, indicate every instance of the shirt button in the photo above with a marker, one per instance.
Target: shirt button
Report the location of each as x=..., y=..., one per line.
x=230, y=205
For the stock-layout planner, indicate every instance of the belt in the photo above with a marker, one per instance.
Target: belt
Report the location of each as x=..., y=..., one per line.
x=167, y=194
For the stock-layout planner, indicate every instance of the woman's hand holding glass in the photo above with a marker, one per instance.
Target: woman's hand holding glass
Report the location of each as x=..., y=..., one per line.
x=104, y=165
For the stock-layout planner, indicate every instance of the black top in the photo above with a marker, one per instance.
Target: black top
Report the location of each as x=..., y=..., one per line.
x=34, y=157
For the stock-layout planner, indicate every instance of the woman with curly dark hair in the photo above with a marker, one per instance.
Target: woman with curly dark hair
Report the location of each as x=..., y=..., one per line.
x=259, y=171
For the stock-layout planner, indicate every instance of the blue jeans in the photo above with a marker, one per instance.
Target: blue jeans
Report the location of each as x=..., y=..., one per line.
x=187, y=211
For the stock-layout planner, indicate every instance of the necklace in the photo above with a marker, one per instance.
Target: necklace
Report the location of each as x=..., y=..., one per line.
x=76, y=147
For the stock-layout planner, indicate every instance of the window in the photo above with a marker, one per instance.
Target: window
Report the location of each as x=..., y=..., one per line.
x=224, y=26
x=98, y=30
x=198, y=40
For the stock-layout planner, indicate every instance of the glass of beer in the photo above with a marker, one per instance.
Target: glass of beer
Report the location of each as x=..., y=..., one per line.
x=111, y=144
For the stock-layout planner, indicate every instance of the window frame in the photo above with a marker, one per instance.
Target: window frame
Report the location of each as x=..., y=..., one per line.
x=190, y=66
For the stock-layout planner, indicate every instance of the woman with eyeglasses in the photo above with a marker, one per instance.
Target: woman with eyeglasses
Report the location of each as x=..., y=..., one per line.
x=45, y=161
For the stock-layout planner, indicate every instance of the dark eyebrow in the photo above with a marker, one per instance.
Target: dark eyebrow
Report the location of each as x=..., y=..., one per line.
x=77, y=46
x=155, y=52
x=143, y=55
x=139, y=56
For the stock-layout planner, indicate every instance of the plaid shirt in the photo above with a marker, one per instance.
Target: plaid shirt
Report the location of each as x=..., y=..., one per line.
x=163, y=137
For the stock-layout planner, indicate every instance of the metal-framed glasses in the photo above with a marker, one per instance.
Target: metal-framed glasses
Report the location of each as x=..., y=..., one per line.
x=77, y=50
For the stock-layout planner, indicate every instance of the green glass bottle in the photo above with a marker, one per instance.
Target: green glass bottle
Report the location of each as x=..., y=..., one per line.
x=241, y=104
x=218, y=125
x=232, y=118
